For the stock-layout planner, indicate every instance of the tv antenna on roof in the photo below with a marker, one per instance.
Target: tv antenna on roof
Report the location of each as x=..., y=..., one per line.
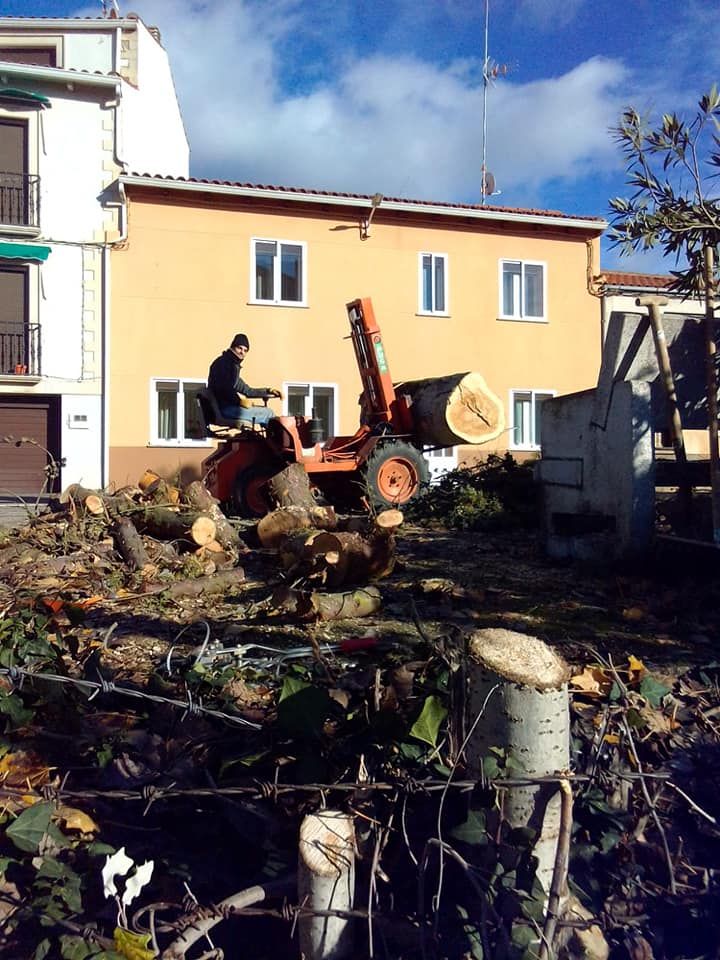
x=111, y=10
x=491, y=71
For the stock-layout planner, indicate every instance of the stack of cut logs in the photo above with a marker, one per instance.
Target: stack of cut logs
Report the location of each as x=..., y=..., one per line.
x=327, y=562
x=187, y=519
x=317, y=549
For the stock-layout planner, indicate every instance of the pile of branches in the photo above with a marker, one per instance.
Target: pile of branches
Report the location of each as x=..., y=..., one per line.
x=205, y=776
x=495, y=494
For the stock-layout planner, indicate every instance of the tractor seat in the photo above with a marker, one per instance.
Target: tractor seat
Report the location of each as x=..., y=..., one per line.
x=216, y=425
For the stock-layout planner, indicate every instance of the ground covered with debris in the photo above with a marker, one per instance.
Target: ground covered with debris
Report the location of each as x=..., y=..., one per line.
x=181, y=709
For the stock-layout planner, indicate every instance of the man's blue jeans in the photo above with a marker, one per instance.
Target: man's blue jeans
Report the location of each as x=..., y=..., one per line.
x=260, y=415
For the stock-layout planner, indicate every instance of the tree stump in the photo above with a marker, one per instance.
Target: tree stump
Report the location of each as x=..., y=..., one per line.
x=291, y=488
x=326, y=881
x=528, y=717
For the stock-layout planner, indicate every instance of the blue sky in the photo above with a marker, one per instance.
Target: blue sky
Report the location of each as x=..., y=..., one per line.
x=386, y=95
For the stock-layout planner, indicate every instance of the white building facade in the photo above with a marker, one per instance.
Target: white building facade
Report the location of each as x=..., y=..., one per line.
x=81, y=101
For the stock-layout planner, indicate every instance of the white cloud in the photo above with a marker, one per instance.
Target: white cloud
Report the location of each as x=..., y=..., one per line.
x=401, y=126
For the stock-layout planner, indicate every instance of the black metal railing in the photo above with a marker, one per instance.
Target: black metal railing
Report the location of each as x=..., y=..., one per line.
x=19, y=199
x=20, y=349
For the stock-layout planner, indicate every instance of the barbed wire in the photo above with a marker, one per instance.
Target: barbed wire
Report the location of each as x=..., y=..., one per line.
x=259, y=790
x=150, y=793
x=190, y=706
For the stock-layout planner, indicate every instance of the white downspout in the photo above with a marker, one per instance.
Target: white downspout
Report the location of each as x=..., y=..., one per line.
x=122, y=228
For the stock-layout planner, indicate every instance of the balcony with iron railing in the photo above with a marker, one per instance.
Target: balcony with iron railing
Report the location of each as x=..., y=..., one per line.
x=19, y=200
x=19, y=349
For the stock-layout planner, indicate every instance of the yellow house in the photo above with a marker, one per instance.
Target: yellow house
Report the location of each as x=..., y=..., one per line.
x=506, y=292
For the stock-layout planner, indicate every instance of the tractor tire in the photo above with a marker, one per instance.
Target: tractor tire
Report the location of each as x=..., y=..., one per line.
x=250, y=493
x=395, y=473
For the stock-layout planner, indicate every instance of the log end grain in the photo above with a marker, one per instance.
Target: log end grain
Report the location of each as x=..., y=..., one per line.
x=520, y=658
x=474, y=412
x=327, y=843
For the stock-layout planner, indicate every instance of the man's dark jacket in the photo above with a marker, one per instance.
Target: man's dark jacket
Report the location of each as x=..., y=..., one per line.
x=225, y=382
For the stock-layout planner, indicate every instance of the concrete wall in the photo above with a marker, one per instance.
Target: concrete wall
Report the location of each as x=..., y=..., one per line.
x=91, y=51
x=181, y=289
x=627, y=332
x=598, y=484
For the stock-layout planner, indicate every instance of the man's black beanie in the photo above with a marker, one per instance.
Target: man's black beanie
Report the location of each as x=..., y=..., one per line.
x=240, y=340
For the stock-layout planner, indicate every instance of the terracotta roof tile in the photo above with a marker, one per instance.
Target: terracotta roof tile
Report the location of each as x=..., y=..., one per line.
x=619, y=278
x=362, y=196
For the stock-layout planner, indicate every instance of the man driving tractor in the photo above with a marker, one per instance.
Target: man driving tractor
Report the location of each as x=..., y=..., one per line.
x=233, y=395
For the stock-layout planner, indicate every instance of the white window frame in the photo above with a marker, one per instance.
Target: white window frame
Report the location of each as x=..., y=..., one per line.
x=520, y=298
x=41, y=43
x=277, y=273
x=33, y=119
x=311, y=385
x=155, y=439
x=533, y=392
x=422, y=311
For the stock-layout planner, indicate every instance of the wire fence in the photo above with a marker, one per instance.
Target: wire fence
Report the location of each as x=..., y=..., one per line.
x=190, y=706
x=259, y=789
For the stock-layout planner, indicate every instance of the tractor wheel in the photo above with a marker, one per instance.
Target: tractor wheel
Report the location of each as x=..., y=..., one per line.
x=251, y=497
x=395, y=473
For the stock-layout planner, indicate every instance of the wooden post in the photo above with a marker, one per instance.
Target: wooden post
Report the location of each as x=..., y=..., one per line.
x=655, y=305
x=326, y=881
x=711, y=389
x=523, y=684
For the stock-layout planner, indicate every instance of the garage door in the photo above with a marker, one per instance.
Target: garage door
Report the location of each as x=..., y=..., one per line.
x=22, y=464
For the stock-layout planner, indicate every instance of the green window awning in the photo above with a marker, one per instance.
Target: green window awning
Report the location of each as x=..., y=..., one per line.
x=24, y=251
x=24, y=96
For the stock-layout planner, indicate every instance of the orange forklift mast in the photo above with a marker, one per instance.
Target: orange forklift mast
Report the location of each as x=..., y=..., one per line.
x=380, y=402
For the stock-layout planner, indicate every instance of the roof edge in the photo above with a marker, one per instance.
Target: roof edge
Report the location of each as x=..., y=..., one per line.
x=58, y=75
x=362, y=203
x=68, y=23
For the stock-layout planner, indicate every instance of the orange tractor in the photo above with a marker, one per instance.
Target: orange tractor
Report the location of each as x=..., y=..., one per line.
x=380, y=461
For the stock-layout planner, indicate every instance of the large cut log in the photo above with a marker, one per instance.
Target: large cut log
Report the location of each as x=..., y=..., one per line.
x=344, y=557
x=354, y=558
x=326, y=882
x=286, y=522
x=459, y=408
x=227, y=536
x=160, y=522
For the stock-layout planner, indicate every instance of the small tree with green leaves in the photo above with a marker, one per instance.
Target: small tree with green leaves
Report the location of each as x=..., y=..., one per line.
x=674, y=167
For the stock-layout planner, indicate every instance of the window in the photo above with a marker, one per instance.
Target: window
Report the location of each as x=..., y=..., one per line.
x=14, y=330
x=278, y=272
x=41, y=56
x=43, y=51
x=526, y=417
x=522, y=290
x=175, y=416
x=433, y=283
x=313, y=400
x=441, y=461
